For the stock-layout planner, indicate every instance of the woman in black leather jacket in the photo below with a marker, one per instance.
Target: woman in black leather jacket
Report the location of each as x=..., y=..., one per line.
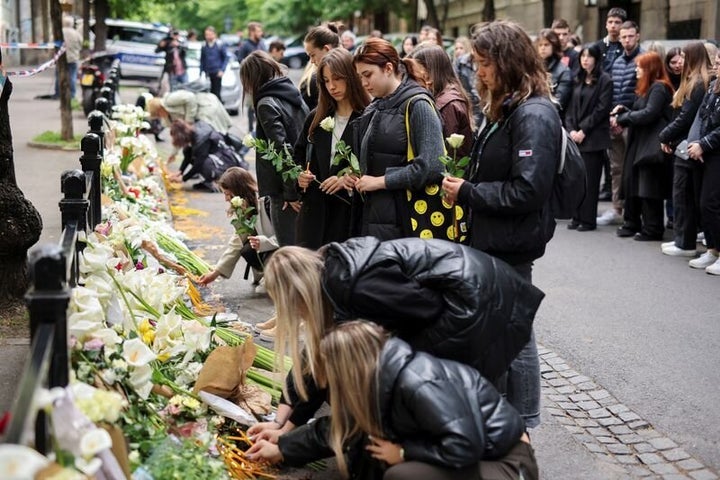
x=511, y=174
x=280, y=112
x=443, y=298
x=417, y=415
x=549, y=49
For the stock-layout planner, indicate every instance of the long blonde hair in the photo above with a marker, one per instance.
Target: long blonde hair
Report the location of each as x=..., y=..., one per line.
x=293, y=281
x=695, y=70
x=349, y=355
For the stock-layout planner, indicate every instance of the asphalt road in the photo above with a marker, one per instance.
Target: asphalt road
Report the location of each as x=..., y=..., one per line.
x=638, y=323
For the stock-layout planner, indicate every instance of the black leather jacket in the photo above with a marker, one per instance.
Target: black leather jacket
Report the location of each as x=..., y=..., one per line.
x=511, y=177
x=443, y=298
x=440, y=411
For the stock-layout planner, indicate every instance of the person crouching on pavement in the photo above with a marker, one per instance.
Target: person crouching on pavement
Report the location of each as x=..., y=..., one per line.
x=406, y=415
x=204, y=151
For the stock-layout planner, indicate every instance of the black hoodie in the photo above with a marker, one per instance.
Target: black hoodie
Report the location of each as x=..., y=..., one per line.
x=280, y=114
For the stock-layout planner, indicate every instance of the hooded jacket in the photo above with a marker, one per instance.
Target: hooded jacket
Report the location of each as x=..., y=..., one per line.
x=281, y=113
x=441, y=412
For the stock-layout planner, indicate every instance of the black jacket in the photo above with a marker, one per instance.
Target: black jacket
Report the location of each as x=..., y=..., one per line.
x=589, y=111
x=381, y=140
x=168, y=49
x=562, y=81
x=323, y=218
x=443, y=298
x=710, y=124
x=678, y=129
x=281, y=113
x=205, y=141
x=441, y=412
x=511, y=177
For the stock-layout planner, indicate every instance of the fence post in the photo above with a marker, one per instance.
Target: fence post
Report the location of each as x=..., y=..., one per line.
x=47, y=301
x=74, y=209
x=90, y=160
x=109, y=94
x=96, y=122
x=102, y=104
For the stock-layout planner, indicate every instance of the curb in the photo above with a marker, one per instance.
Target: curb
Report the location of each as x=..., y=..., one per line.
x=52, y=146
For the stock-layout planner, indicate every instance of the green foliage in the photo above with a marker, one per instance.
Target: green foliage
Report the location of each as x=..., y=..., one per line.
x=282, y=160
x=343, y=153
x=454, y=167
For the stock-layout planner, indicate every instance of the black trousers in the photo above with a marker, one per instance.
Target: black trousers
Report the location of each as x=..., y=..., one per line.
x=645, y=215
x=687, y=182
x=216, y=85
x=587, y=213
x=710, y=201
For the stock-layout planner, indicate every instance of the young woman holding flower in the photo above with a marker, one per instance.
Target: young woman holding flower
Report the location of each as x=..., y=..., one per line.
x=254, y=236
x=280, y=112
x=451, y=100
x=325, y=213
x=382, y=141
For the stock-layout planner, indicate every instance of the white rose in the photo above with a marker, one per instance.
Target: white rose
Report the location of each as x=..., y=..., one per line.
x=327, y=124
x=455, y=140
x=236, y=202
x=249, y=141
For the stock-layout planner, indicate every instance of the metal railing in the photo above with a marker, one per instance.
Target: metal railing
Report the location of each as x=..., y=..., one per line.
x=54, y=271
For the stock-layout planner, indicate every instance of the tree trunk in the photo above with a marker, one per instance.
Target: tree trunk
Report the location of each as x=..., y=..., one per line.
x=101, y=13
x=66, y=124
x=488, y=13
x=20, y=222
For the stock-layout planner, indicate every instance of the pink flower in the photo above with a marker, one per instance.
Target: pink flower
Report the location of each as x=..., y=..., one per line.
x=94, y=344
x=139, y=265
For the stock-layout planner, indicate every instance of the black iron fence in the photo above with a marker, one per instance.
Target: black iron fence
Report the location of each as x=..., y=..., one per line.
x=54, y=271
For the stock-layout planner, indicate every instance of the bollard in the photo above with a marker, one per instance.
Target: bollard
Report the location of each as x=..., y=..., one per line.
x=73, y=214
x=102, y=105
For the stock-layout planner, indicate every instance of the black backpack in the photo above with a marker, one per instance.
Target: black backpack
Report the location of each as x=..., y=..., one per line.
x=570, y=185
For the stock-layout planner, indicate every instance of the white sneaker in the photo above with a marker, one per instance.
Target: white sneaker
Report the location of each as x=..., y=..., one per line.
x=665, y=245
x=609, y=218
x=713, y=269
x=701, y=237
x=260, y=289
x=704, y=260
x=674, y=251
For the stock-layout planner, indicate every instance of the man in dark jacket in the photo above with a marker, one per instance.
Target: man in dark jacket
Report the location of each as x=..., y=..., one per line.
x=213, y=60
x=624, y=81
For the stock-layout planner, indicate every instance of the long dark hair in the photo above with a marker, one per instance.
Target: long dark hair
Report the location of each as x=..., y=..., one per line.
x=519, y=69
x=380, y=52
x=593, y=50
x=256, y=70
x=240, y=183
x=551, y=37
x=339, y=62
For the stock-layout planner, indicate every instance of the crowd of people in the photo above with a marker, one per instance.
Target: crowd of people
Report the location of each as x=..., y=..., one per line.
x=354, y=236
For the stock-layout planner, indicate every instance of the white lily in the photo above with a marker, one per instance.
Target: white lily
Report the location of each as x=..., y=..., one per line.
x=140, y=380
x=136, y=353
x=94, y=442
x=18, y=462
x=88, y=468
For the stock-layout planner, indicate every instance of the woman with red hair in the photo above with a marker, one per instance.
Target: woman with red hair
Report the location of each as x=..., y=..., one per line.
x=646, y=181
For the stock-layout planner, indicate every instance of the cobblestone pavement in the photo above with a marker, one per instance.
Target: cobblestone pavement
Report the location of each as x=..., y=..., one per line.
x=609, y=429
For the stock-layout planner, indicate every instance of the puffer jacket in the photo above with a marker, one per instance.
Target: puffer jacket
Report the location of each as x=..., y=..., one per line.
x=441, y=412
x=381, y=143
x=625, y=78
x=281, y=114
x=443, y=298
x=513, y=167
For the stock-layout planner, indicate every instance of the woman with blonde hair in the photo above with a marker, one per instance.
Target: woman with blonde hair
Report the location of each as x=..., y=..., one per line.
x=687, y=174
x=511, y=174
x=325, y=213
x=423, y=416
x=443, y=298
x=382, y=141
x=451, y=100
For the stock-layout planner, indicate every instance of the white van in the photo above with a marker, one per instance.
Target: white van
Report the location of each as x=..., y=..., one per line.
x=134, y=44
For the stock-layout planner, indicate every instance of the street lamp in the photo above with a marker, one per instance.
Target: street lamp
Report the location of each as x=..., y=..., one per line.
x=591, y=3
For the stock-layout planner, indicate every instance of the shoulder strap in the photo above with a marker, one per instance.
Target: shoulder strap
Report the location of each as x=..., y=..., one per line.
x=410, y=152
x=562, y=151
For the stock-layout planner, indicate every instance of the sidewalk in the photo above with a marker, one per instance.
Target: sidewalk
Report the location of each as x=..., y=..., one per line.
x=559, y=455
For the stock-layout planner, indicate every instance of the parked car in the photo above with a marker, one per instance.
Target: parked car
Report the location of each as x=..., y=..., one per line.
x=231, y=92
x=295, y=55
x=134, y=44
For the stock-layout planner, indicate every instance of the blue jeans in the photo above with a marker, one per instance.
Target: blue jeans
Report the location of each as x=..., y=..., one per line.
x=177, y=80
x=523, y=376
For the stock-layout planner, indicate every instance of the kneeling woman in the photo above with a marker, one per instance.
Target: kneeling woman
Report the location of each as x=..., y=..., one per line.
x=421, y=416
